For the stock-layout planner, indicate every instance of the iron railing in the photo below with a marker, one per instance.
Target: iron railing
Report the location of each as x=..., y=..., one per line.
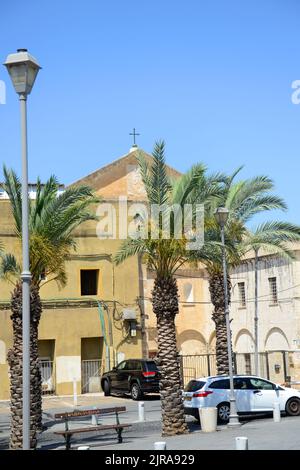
x=91, y=372
x=273, y=365
x=48, y=377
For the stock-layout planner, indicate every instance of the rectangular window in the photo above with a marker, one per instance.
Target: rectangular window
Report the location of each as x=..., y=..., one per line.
x=273, y=290
x=89, y=281
x=242, y=294
x=248, y=364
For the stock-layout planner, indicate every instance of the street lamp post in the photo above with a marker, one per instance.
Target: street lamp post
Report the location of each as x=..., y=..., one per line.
x=221, y=215
x=256, y=357
x=23, y=69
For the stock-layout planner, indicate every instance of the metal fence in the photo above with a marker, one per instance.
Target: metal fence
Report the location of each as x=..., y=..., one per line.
x=273, y=365
x=48, y=377
x=197, y=366
x=91, y=372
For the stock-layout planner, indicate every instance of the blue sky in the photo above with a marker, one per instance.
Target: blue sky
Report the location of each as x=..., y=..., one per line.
x=213, y=78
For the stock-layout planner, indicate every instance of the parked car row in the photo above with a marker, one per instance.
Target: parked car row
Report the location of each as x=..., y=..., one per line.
x=253, y=394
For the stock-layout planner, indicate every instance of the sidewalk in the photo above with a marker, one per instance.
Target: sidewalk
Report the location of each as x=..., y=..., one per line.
x=262, y=434
x=53, y=405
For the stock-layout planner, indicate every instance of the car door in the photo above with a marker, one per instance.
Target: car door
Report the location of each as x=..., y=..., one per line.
x=132, y=371
x=218, y=392
x=243, y=394
x=119, y=376
x=263, y=394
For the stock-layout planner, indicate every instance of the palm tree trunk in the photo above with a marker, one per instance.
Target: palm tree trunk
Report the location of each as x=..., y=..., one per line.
x=165, y=306
x=216, y=288
x=15, y=365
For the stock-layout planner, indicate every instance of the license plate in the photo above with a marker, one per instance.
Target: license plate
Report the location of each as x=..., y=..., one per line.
x=188, y=398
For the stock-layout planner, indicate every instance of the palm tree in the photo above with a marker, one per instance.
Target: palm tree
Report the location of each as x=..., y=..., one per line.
x=52, y=220
x=244, y=199
x=164, y=256
x=271, y=238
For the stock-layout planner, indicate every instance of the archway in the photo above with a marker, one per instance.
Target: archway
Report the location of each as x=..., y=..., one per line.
x=212, y=343
x=276, y=340
x=191, y=342
x=244, y=342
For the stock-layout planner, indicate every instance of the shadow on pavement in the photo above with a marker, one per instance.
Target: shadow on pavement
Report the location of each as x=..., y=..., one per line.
x=154, y=397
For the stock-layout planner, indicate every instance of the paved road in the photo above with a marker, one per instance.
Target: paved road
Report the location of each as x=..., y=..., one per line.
x=263, y=433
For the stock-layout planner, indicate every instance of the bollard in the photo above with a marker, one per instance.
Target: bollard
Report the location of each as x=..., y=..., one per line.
x=141, y=411
x=241, y=443
x=276, y=412
x=94, y=418
x=160, y=446
x=83, y=448
x=208, y=419
x=74, y=392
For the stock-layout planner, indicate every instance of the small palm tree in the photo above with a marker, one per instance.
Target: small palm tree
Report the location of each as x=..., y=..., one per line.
x=244, y=199
x=164, y=256
x=52, y=220
x=271, y=238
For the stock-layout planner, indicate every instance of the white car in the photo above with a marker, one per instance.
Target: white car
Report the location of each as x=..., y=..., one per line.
x=253, y=395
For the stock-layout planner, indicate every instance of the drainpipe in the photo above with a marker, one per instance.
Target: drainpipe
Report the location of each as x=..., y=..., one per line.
x=102, y=321
x=141, y=303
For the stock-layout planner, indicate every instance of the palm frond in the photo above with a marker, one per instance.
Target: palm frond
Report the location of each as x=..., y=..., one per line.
x=240, y=192
x=145, y=174
x=128, y=248
x=257, y=204
x=230, y=179
x=183, y=187
x=44, y=195
x=9, y=267
x=272, y=236
x=160, y=184
x=13, y=187
x=52, y=221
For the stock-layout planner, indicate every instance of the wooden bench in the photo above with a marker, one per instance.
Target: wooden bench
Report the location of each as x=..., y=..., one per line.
x=68, y=433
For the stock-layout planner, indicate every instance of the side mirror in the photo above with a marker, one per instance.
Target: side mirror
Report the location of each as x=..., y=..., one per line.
x=114, y=368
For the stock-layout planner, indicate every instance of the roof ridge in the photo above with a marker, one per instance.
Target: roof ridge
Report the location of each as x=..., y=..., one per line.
x=117, y=160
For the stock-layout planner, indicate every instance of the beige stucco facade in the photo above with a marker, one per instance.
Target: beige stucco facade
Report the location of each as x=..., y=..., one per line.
x=72, y=335
x=194, y=327
x=70, y=325
x=279, y=319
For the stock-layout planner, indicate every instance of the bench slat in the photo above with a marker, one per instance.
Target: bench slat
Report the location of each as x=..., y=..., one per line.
x=98, y=411
x=91, y=429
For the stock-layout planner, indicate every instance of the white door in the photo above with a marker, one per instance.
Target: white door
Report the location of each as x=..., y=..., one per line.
x=243, y=394
x=264, y=394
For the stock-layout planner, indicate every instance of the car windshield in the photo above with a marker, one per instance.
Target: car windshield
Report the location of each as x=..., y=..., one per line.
x=151, y=366
x=194, y=386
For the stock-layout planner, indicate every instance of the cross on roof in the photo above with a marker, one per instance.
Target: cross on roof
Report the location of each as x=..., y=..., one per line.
x=134, y=134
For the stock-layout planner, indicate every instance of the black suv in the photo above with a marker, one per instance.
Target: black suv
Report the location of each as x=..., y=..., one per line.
x=134, y=376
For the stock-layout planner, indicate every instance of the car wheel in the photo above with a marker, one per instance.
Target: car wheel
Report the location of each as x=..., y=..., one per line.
x=223, y=413
x=135, y=391
x=293, y=407
x=106, y=388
